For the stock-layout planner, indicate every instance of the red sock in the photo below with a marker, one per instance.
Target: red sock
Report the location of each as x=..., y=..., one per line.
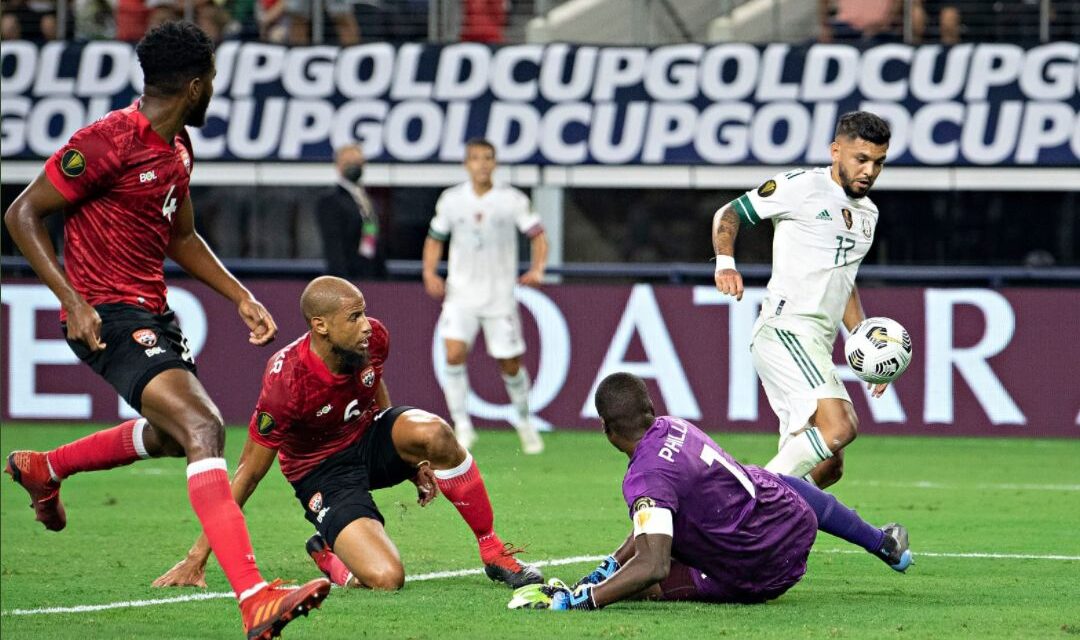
x=106, y=449
x=464, y=487
x=331, y=565
x=224, y=525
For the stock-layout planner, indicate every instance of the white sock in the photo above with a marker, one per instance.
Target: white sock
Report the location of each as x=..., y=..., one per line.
x=800, y=454
x=517, y=387
x=456, y=390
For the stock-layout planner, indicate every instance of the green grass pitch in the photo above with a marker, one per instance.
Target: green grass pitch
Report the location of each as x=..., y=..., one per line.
x=957, y=496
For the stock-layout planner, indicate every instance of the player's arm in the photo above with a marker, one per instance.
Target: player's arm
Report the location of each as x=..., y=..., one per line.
x=725, y=228
x=538, y=251
x=255, y=461
x=25, y=220
x=433, y=282
x=382, y=395
x=611, y=564
x=649, y=565
x=191, y=252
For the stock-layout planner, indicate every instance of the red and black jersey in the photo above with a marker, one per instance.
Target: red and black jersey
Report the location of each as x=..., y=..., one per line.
x=125, y=183
x=309, y=413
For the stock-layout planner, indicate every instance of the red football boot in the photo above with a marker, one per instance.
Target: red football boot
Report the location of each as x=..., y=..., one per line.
x=31, y=470
x=267, y=612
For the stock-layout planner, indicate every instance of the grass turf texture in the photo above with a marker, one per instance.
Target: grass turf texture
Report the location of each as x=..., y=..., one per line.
x=127, y=526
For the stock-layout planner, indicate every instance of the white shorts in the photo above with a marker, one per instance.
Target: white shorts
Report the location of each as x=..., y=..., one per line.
x=796, y=372
x=502, y=332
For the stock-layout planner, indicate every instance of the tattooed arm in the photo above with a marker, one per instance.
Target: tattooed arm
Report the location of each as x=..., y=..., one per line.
x=725, y=228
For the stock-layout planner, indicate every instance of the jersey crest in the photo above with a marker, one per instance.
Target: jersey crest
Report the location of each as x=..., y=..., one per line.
x=867, y=230
x=368, y=377
x=145, y=337
x=73, y=164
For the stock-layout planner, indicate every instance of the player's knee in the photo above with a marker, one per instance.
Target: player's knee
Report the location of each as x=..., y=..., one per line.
x=389, y=578
x=442, y=448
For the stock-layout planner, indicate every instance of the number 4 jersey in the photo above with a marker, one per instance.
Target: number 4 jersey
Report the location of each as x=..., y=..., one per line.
x=820, y=236
x=740, y=525
x=124, y=183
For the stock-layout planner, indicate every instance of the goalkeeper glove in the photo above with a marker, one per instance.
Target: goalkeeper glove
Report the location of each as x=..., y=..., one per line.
x=606, y=569
x=554, y=595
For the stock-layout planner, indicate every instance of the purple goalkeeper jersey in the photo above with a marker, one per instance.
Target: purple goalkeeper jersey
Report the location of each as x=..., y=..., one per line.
x=739, y=525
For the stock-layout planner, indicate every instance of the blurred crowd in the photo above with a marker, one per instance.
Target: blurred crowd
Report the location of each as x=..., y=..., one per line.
x=347, y=22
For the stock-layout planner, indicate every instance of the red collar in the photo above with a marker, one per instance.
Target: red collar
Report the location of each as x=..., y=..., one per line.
x=146, y=132
x=315, y=364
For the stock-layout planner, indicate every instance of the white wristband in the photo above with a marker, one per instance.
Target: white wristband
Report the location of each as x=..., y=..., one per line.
x=724, y=262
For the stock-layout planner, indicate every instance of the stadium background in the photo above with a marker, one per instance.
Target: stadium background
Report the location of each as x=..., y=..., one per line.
x=977, y=252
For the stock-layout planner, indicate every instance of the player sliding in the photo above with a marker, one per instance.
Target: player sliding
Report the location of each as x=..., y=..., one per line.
x=706, y=528
x=123, y=181
x=824, y=226
x=325, y=412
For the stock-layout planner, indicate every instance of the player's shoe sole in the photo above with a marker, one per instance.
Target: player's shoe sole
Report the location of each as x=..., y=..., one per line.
x=895, y=551
x=274, y=607
x=30, y=470
x=525, y=575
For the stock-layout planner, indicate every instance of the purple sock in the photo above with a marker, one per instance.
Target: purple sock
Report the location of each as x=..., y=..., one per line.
x=836, y=519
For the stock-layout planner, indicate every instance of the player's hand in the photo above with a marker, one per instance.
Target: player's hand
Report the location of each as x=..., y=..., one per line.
x=729, y=282
x=84, y=325
x=434, y=285
x=606, y=569
x=426, y=487
x=189, y=572
x=554, y=595
x=877, y=390
x=258, y=319
x=532, y=278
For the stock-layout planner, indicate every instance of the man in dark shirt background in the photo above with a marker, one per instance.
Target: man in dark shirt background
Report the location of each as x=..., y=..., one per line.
x=348, y=223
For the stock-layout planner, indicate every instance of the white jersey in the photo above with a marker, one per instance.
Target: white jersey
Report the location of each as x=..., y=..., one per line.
x=483, y=262
x=820, y=237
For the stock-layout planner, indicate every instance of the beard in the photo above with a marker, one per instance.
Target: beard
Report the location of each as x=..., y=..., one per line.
x=197, y=116
x=846, y=185
x=350, y=360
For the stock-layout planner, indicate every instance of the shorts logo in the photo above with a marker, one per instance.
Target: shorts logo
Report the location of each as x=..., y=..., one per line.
x=368, y=377
x=767, y=189
x=145, y=337
x=847, y=217
x=867, y=230
x=322, y=514
x=73, y=163
x=265, y=423
x=315, y=504
x=156, y=351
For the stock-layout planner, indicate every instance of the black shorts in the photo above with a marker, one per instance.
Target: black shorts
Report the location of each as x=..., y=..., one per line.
x=138, y=346
x=338, y=491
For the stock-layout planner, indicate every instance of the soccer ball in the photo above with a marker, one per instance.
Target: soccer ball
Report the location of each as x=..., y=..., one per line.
x=878, y=350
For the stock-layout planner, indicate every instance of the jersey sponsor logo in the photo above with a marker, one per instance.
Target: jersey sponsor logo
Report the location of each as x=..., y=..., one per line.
x=145, y=337
x=847, y=217
x=147, y=176
x=156, y=351
x=867, y=230
x=265, y=423
x=767, y=189
x=352, y=411
x=643, y=502
x=325, y=410
x=368, y=377
x=73, y=163
x=315, y=503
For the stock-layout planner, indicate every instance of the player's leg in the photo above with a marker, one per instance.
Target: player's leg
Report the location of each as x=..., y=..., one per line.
x=369, y=555
x=506, y=343
x=458, y=329
x=816, y=417
x=889, y=543
x=418, y=436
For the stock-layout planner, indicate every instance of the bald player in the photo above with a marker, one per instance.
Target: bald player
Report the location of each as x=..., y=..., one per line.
x=325, y=412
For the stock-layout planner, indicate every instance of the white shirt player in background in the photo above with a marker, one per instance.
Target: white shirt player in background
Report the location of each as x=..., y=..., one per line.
x=482, y=219
x=823, y=225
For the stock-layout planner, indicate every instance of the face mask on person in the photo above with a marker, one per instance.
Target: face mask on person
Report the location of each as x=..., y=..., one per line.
x=353, y=172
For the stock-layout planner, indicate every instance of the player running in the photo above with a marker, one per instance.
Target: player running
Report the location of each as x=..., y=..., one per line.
x=823, y=227
x=706, y=528
x=325, y=412
x=481, y=218
x=123, y=182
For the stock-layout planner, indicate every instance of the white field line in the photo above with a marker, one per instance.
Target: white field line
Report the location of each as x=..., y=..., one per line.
x=442, y=575
x=927, y=484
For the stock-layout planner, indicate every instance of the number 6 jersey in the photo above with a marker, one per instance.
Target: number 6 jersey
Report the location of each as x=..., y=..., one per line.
x=820, y=236
x=124, y=183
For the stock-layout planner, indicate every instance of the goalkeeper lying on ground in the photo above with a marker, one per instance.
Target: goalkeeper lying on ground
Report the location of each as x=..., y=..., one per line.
x=706, y=528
